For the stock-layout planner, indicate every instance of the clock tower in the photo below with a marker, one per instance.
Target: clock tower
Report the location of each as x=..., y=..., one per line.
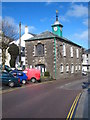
x=57, y=27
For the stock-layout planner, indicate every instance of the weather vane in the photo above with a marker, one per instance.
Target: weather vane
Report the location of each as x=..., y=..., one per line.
x=56, y=11
x=56, y=15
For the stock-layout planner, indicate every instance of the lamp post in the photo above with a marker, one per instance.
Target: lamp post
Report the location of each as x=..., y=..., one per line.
x=20, y=43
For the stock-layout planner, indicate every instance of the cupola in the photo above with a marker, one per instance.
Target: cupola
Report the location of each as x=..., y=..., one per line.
x=57, y=26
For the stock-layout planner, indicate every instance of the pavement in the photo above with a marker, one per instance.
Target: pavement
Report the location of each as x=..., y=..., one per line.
x=83, y=110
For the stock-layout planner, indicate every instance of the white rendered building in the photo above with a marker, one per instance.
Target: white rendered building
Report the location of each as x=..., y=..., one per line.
x=25, y=36
x=86, y=61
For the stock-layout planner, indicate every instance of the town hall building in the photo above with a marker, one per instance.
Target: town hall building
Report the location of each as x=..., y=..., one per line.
x=50, y=51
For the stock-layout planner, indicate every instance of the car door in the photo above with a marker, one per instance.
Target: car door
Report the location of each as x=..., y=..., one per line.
x=5, y=77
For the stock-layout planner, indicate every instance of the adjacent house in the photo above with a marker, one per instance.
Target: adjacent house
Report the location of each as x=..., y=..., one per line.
x=86, y=61
x=25, y=36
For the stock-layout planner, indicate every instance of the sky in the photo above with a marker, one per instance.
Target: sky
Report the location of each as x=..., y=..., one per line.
x=39, y=16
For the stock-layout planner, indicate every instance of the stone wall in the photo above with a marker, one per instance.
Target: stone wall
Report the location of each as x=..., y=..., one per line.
x=48, y=59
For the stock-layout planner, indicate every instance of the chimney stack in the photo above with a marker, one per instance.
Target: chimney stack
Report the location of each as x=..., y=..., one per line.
x=26, y=29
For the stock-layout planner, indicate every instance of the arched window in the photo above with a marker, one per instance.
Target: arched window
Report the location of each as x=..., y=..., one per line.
x=39, y=49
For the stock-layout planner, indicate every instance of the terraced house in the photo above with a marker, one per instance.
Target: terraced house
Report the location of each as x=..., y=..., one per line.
x=50, y=51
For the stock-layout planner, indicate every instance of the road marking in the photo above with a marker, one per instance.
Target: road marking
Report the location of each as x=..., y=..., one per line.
x=64, y=85
x=61, y=86
x=67, y=84
x=35, y=84
x=72, y=110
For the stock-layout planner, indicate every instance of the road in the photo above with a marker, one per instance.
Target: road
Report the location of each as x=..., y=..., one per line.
x=44, y=100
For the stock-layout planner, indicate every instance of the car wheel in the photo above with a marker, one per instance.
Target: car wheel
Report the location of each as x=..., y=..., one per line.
x=11, y=84
x=33, y=80
x=23, y=81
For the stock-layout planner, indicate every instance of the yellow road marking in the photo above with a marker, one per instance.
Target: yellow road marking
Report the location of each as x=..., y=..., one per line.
x=70, y=114
x=75, y=106
x=10, y=90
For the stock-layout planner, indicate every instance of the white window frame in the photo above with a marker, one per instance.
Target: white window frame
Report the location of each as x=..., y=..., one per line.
x=72, y=68
x=61, y=68
x=71, y=51
x=64, y=50
x=77, y=53
x=31, y=66
x=79, y=67
x=76, y=68
x=67, y=67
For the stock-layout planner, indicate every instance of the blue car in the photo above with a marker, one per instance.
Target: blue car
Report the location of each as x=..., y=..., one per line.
x=8, y=79
x=21, y=75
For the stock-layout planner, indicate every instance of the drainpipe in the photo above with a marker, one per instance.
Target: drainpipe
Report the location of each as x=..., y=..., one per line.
x=55, y=55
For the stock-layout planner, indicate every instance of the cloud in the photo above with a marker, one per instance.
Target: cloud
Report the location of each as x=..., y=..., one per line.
x=85, y=22
x=48, y=2
x=82, y=36
x=30, y=28
x=77, y=10
x=43, y=19
x=61, y=6
x=16, y=25
x=64, y=18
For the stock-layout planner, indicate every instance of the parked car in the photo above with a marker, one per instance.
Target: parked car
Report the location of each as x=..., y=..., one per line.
x=6, y=67
x=23, y=77
x=8, y=79
x=84, y=73
x=32, y=74
x=85, y=85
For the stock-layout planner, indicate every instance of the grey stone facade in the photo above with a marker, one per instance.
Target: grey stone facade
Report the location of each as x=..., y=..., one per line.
x=53, y=55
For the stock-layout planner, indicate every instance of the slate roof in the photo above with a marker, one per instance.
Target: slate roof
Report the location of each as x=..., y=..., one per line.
x=87, y=51
x=50, y=35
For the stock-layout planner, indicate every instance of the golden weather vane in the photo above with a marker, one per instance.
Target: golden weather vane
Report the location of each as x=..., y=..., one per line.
x=56, y=11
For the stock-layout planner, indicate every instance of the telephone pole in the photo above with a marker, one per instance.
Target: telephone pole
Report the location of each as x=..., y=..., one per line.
x=20, y=43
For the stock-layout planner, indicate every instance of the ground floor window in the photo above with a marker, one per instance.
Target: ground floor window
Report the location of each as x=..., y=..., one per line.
x=30, y=66
x=61, y=68
x=41, y=67
x=76, y=67
x=72, y=68
x=67, y=68
x=79, y=67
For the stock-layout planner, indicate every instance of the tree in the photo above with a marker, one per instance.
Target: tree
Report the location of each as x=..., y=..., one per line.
x=8, y=34
x=14, y=51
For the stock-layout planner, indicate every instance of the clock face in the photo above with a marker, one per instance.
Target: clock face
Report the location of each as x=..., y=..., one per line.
x=55, y=28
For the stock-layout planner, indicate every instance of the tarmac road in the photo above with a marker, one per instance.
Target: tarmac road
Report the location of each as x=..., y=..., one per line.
x=44, y=100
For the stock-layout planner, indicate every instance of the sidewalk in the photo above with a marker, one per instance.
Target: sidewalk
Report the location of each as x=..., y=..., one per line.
x=83, y=105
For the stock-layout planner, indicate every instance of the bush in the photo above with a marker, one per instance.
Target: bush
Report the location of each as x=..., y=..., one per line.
x=47, y=74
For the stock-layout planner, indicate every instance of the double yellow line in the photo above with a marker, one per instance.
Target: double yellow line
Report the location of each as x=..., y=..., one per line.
x=72, y=110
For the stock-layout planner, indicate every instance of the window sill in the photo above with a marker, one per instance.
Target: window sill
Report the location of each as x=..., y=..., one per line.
x=62, y=72
x=38, y=56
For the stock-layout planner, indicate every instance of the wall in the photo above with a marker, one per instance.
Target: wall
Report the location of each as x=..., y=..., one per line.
x=49, y=57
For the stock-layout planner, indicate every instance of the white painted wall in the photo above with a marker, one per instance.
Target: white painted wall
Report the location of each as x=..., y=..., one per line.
x=24, y=37
x=86, y=63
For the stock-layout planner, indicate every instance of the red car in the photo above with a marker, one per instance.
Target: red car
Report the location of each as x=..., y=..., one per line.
x=32, y=74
